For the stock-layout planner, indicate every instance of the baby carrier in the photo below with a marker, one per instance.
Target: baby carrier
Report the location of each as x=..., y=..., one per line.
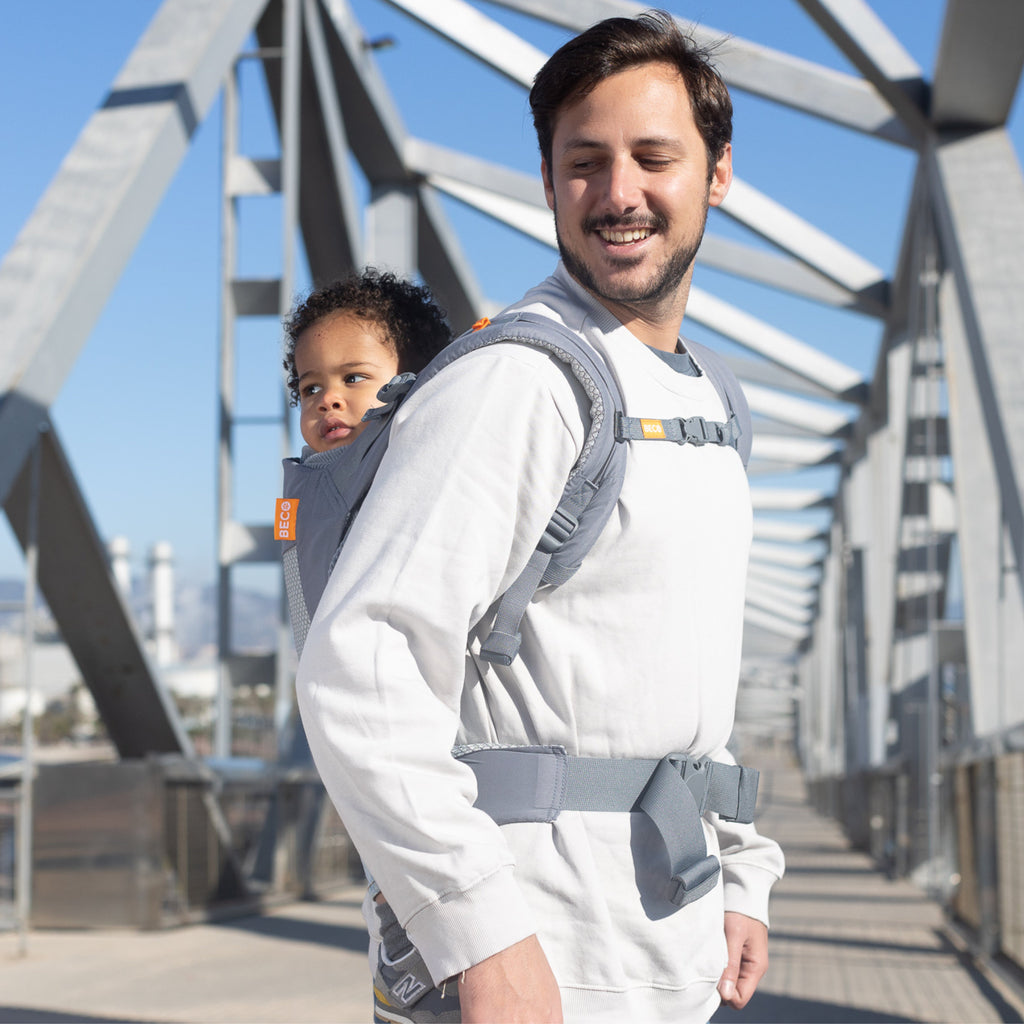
x=324, y=491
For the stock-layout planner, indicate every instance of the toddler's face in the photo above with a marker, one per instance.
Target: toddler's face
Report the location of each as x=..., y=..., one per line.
x=341, y=362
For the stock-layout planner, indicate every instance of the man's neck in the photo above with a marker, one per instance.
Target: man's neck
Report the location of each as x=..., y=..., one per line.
x=656, y=323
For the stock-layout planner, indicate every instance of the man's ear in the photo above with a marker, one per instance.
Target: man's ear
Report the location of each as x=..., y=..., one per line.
x=721, y=177
x=549, y=189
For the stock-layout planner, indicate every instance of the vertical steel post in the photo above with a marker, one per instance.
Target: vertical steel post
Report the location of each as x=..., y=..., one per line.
x=291, y=81
x=25, y=808
x=229, y=145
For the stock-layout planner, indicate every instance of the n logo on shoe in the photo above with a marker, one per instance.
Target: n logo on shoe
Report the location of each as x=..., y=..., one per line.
x=407, y=988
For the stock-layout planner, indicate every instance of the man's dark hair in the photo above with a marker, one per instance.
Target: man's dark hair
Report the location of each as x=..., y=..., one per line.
x=405, y=314
x=619, y=44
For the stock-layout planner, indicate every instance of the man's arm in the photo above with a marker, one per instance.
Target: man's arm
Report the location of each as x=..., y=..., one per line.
x=460, y=501
x=515, y=986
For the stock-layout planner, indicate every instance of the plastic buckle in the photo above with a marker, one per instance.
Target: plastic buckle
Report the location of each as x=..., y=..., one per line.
x=695, y=775
x=397, y=387
x=694, y=881
x=695, y=429
x=560, y=528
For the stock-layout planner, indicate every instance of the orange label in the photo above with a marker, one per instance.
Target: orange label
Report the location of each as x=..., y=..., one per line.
x=284, y=518
x=481, y=323
x=653, y=430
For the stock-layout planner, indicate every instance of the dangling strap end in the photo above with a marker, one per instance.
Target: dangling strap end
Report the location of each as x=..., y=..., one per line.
x=501, y=648
x=694, y=881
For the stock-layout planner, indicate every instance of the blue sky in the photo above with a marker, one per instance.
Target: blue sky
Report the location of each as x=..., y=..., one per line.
x=137, y=413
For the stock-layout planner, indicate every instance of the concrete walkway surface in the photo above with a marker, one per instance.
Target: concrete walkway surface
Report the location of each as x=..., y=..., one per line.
x=848, y=945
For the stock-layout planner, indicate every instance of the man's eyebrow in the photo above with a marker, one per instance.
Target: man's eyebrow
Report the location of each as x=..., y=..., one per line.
x=665, y=141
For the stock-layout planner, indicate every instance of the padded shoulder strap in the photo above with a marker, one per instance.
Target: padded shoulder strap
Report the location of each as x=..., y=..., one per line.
x=594, y=482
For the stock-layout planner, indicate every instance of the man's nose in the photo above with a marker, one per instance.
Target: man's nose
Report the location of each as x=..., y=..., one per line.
x=624, y=192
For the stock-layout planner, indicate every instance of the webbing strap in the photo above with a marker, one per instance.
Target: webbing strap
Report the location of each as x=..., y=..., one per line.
x=502, y=643
x=682, y=430
x=522, y=784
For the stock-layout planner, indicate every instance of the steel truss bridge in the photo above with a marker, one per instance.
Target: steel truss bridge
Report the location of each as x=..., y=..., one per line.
x=884, y=609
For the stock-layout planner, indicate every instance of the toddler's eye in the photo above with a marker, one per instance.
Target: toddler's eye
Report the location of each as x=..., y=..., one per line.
x=309, y=390
x=356, y=378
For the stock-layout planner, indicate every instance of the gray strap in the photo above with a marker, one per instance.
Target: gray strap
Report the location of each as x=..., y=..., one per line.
x=502, y=643
x=534, y=784
x=682, y=430
x=671, y=806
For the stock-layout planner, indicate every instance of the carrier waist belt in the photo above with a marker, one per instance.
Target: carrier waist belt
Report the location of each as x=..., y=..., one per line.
x=535, y=784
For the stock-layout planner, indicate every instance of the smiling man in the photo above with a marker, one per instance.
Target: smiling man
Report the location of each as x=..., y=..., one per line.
x=630, y=664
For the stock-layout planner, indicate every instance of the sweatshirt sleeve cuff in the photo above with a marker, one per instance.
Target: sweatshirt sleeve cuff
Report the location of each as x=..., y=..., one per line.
x=746, y=890
x=461, y=929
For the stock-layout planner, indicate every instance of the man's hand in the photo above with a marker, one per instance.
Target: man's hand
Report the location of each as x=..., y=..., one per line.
x=515, y=986
x=747, y=940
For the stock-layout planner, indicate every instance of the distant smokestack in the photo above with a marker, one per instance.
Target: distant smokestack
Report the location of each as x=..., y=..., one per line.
x=119, y=550
x=161, y=583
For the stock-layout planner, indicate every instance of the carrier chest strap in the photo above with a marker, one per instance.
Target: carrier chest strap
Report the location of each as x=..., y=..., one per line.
x=682, y=430
x=534, y=784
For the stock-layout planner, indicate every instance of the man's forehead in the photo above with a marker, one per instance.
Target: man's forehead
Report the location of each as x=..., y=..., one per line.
x=653, y=73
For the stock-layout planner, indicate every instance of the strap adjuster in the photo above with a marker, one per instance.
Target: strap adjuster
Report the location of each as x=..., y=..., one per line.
x=560, y=528
x=694, y=881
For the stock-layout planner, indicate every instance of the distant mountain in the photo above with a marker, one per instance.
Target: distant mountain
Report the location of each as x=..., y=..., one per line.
x=254, y=628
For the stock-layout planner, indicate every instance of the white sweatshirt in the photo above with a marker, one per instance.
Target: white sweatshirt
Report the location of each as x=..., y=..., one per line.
x=636, y=656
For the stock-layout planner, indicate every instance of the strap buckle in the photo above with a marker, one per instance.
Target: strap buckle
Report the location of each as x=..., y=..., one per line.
x=698, y=431
x=561, y=526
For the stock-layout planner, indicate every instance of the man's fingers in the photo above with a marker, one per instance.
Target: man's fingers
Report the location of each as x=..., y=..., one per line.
x=747, y=942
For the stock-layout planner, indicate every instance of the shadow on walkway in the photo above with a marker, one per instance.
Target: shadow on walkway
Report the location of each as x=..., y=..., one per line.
x=766, y=1008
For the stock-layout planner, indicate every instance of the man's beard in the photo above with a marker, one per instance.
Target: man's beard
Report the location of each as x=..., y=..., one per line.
x=661, y=283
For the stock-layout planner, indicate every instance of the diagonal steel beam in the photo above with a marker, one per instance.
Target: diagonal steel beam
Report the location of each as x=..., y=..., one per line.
x=75, y=578
x=65, y=262
x=800, y=84
x=876, y=53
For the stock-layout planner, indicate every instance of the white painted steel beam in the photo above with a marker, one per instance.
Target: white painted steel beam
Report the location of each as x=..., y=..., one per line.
x=786, y=274
x=786, y=530
x=793, y=451
x=336, y=137
x=804, y=598
x=877, y=54
x=786, y=499
x=75, y=577
x=774, y=623
x=785, y=555
x=770, y=604
x=533, y=221
x=792, y=234
x=64, y=264
x=428, y=158
x=978, y=68
x=811, y=416
x=796, y=356
x=479, y=36
x=444, y=265
x=841, y=98
x=797, y=579
x=374, y=127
